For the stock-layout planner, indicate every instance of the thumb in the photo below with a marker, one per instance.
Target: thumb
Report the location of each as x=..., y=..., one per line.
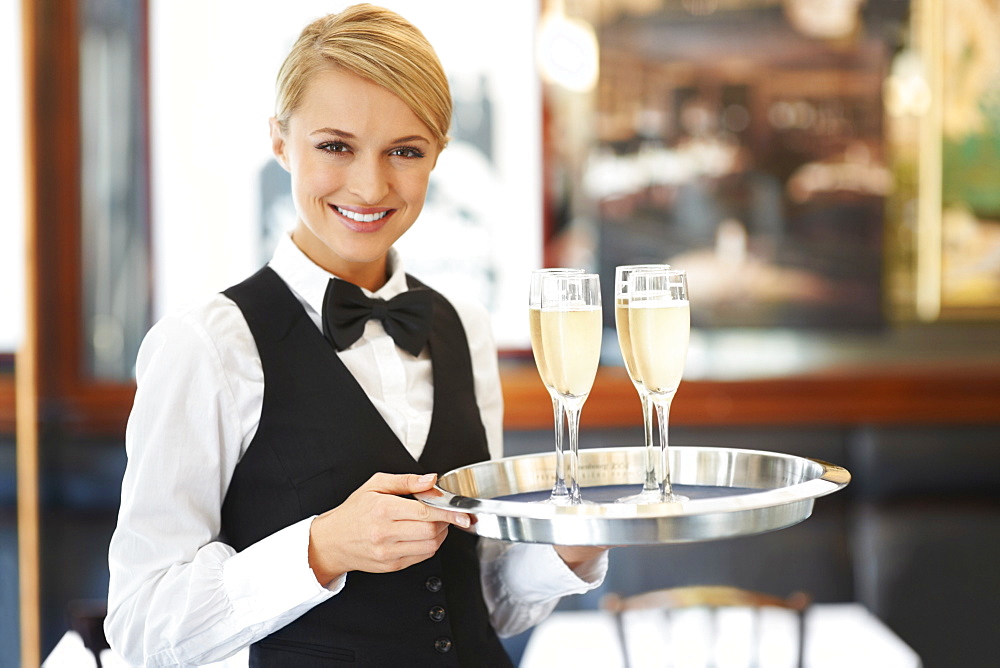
x=407, y=483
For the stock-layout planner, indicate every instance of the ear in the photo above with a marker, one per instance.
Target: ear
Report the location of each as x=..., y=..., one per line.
x=278, y=143
x=436, y=156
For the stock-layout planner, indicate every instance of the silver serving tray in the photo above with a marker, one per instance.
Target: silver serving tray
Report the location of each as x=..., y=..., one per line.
x=731, y=492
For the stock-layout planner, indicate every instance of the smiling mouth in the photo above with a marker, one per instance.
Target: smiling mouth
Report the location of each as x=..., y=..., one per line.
x=362, y=217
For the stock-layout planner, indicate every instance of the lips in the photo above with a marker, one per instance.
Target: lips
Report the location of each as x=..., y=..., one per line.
x=363, y=221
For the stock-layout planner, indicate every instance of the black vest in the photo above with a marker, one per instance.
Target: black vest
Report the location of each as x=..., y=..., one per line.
x=319, y=439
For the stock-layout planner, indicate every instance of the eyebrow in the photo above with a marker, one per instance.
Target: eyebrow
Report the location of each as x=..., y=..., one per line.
x=351, y=135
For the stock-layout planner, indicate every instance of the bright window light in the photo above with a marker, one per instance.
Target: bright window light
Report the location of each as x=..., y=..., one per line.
x=12, y=183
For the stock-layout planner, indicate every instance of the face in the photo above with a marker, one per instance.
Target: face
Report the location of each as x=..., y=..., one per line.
x=360, y=161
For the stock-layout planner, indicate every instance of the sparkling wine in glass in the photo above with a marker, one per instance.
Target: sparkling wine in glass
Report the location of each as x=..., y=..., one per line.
x=659, y=319
x=651, y=482
x=571, y=327
x=559, y=493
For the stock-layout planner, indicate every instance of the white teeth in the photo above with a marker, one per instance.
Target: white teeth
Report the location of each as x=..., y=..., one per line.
x=362, y=217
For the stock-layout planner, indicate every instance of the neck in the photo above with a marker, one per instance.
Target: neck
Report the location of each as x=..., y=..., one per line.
x=370, y=275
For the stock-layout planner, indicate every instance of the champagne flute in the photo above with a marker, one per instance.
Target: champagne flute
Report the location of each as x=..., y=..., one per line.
x=560, y=494
x=659, y=317
x=571, y=327
x=650, y=485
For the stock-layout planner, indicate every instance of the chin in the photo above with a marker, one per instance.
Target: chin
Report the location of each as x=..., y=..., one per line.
x=359, y=256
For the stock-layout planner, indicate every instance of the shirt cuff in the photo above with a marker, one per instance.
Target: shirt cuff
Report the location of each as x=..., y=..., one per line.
x=273, y=576
x=537, y=574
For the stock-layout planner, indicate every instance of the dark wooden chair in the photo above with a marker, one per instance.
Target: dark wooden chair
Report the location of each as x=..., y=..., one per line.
x=712, y=598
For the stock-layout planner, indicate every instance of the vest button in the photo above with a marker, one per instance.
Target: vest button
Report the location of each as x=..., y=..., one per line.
x=443, y=645
x=433, y=584
x=436, y=613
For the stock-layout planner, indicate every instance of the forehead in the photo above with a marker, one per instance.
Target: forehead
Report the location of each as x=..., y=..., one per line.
x=337, y=98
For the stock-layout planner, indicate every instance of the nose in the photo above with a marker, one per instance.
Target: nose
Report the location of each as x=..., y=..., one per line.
x=367, y=179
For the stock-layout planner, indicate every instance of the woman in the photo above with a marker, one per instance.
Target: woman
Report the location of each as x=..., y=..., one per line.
x=276, y=434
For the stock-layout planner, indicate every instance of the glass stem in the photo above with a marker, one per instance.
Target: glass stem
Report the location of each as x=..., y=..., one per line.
x=559, y=491
x=572, y=410
x=662, y=417
x=651, y=483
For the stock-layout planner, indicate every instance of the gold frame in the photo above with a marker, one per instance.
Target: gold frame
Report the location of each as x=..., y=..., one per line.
x=930, y=299
x=928, y=246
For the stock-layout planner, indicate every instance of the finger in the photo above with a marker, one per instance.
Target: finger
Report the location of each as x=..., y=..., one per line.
x=407, y=483
x=410, y=509
x=408, y=530
x=409, y=547
x=413, y=552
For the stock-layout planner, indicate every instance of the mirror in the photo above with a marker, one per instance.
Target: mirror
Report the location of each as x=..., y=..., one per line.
x=745, y=142
x=821, y=166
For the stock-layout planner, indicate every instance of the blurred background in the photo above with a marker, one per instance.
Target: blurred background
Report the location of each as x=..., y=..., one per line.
x=827, y=171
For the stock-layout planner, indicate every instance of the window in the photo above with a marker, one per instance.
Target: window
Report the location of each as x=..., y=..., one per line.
x=12, y=179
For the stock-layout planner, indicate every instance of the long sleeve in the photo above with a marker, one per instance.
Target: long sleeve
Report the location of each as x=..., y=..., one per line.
x=523, y=582
x=179, y=596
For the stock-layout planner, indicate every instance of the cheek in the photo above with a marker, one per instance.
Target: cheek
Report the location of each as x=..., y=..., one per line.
x=311, y=182
x=416, y=188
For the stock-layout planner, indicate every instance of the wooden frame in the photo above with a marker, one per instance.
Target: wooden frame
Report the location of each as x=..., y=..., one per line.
x=80, y=404
x=50, y=389
x=27, y=372
x=7, y=402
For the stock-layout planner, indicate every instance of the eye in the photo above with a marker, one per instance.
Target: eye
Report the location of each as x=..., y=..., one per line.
x=333, y=147
x=407, y=152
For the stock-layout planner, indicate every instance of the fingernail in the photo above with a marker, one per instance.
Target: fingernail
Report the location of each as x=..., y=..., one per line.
x=427, y=477
x=462, y=521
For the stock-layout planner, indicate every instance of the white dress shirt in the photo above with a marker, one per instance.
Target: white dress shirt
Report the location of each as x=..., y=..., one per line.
x=178, y=596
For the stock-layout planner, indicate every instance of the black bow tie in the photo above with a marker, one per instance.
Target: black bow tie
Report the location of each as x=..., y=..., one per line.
x=406, y=317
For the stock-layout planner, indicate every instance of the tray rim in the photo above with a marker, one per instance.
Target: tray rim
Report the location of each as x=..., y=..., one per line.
x=831, y=478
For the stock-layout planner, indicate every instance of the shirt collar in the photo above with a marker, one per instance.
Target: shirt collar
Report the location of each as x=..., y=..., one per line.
x=308, y=280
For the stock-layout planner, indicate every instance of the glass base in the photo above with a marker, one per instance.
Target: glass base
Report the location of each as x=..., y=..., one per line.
x=565, y=501
x=557, y=500
x=646, y=497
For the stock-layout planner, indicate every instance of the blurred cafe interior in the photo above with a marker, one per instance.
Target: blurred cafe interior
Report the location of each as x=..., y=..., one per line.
x=826, y=171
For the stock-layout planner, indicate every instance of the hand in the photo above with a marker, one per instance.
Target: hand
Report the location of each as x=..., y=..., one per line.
x=377, y=531
x=577, y=555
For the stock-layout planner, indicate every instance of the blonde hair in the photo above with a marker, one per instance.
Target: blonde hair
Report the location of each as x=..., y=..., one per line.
x=376, y=44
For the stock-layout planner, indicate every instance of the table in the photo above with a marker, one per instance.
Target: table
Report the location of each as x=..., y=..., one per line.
x=836, y=635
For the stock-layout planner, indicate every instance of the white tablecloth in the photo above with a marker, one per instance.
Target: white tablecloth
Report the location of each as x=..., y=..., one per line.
x=70, y=652
x=837, y=635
